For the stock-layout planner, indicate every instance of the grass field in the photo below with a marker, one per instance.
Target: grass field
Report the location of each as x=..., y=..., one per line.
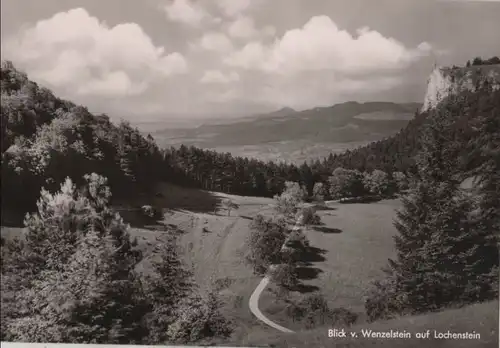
x=212, y=245
x=350, y=250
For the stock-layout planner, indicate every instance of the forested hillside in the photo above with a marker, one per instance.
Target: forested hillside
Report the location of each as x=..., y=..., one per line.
x=46, y=139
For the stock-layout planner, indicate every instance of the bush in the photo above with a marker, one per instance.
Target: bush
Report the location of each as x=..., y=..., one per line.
x=401, y=181
x=284, y=275
x=297, y=239
x=264, y=244
x=377, y=182
x=287, y=203
x=314, y=310
x=342, y=317
x=228, y=205
x=346, y=183
x=238, y=301
x=199, y=318
x=151, y=212
x=223, y=283
x=308, y=216
x=381, y=302
x=319, y=192
x=78, y=255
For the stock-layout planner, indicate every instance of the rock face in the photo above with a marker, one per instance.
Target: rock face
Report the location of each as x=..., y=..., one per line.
x=444, y=81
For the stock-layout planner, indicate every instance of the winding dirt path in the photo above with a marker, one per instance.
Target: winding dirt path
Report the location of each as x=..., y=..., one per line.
x=254, y=299
x=254, y=307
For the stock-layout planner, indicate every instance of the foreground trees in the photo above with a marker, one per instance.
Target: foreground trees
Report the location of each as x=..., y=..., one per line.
x=447, y=246
x=73, y=278
x=76, y=258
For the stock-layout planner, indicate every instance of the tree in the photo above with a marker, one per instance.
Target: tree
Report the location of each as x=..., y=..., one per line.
x=83, y=286
x=319, y=192
x=166, y=288
x=346, y=183
x=376, y=182
x=401, y=181
x=229, y=205
x=477, y=61
x=266, y=239
x=493, y=60
x=443, y=256
x=285, y=275
x=307, y=216
x=288, y=202
x=197, y=318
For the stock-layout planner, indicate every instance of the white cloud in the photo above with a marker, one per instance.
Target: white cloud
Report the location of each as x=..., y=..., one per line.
x=186, y=11
x=234, y=7
x=75, y=53
x=244, y=27
x=116, y=83
x=321, y=45
x=216, y=76
x=215, y=41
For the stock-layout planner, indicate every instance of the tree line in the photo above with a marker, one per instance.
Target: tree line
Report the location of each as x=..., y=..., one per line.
x=479, y=61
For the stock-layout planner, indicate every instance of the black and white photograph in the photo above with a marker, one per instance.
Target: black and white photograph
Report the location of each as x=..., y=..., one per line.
x=250, y=173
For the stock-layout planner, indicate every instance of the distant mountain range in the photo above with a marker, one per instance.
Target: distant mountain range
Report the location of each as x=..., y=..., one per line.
x=293, y=135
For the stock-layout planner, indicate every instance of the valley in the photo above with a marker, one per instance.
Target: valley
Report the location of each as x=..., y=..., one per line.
x=293, y=136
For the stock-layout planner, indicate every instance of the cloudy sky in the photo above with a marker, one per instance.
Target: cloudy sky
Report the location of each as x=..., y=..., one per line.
x=149, y=59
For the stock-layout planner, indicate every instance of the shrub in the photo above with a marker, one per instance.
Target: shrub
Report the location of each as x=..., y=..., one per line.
x=377, y=182
x=401, y=181
x=319, y=192
x=151, y=212
x=238, y=301
x=229, y=205
x=346, y=183
x=284, y=275
x=223, y=283
x=287, y=203
x=308, y=216
x=297, y=239
x=199, y=318
x=314, y=310
x=77, y=265
x=381, y=303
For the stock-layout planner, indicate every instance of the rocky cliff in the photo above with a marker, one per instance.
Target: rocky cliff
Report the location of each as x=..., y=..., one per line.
x=444, y=81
